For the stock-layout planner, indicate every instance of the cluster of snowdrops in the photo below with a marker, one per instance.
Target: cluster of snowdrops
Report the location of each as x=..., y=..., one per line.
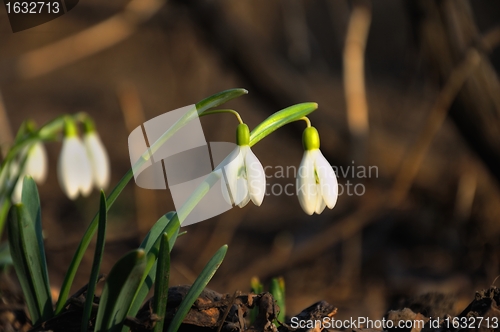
x=84, y=164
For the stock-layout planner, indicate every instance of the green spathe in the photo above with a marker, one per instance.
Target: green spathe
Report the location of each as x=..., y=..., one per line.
x=242, y=134
x=310, y=139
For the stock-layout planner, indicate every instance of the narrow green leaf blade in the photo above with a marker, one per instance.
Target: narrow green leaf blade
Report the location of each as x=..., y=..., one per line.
x=96, y=264
x=31, y=258
x=277, y=289
x=5, y=256
x=161, y=284
x=171, y=227
x=198, y=286
x=219, y=99
x=34, y=259
x=257, y=288
x=156, y=231
x=119, y=290
x=21, y=263
x=279, y=119
x=31, y=201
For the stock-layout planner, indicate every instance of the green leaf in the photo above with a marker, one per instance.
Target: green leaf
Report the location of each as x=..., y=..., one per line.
x=157, y=230
x=279, y=119
x=96, y=264
x=31, y=201
x=21, y=263
x=198, y=286
x=219, y=99
x=119, y=290
x=5, y=256
x=278, y=291
x=161, y=284
x=27, y=263
x=212, y=101
x=169, y=224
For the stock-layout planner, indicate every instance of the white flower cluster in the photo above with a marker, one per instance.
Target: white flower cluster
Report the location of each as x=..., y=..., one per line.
x=82, y=165
x=317, y=186
x=35, y=165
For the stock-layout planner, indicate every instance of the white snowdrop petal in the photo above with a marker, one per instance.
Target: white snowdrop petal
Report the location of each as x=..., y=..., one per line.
x=320, y=202
x=327, y=180
x=245, y=200
x=69, y=184
x=226, y=168
x=241, y=193
x=83, y=171
x=18, y=190
x=256, y=177
x=86, y=183
x=99, y=160
x=231, y=171
x=225, y=190
x=306, y=184
x=74, y=170
x=36, y=162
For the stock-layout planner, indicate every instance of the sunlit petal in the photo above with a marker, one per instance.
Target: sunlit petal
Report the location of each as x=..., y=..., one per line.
x=243, y=195
x=306, y=183
x=99, y=160
x=74, y=170
x=327, y=180
x=320, y=202
x=36, y=162
x=18, y=190
x=232, y=171
x=256, y=177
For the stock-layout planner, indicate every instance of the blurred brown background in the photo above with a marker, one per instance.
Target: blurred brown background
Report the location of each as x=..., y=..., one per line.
x=427, y=116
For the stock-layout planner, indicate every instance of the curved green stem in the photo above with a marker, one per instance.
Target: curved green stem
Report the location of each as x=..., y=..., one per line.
x=236, y=114
x=306, y=119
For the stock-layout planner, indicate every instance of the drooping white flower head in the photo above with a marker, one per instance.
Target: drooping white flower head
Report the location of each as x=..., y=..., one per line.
x=18, y=189
x=36, y=162
x=246, y=179
x=316, y=181
x=97, y=155
x=74, y=170
x=35, y=166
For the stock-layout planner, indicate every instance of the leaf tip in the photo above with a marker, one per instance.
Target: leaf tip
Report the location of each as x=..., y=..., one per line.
x=141, y=253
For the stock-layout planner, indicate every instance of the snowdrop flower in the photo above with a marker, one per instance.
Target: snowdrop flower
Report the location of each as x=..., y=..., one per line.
x=316, y=181
x=245, y=175
x=35, y=166
x=11, y=178
x=74, y=168
x=97, y=155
